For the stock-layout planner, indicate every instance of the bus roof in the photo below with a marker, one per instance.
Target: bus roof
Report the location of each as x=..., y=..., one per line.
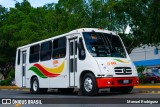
x=92, y=29
x=80, y=30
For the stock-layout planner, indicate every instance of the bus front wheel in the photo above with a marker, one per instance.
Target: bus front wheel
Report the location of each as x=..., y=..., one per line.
x=35, y=87
x=89, y=86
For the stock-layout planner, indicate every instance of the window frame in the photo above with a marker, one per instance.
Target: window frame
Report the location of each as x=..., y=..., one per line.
x=38, y=52
x=49, y=50
x=57, y=49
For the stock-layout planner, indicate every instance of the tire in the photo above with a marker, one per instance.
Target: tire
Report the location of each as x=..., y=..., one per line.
x=123, y=90
x=35, y=87
x=89, y=85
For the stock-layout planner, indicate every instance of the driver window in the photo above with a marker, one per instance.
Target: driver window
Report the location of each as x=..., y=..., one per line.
x=81, y=53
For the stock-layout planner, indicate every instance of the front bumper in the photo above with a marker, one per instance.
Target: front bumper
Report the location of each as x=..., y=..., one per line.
x=117, y=82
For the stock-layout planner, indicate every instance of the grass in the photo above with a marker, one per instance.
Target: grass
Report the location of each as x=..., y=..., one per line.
x=9, y=87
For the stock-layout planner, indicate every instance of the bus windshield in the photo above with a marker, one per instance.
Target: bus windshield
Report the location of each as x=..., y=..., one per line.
x=104, y=45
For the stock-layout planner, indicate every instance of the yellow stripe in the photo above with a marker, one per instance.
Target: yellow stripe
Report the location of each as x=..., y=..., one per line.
x=57, y=70
x=152, y=92
x=17, y=105
x=146, y=86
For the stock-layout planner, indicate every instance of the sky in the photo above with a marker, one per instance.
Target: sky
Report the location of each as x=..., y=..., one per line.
x=34, y=3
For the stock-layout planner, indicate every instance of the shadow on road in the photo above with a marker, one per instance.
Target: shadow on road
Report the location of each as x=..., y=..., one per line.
x=101, y=94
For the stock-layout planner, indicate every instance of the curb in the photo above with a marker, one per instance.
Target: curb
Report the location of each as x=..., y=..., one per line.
x=150, y=87
x=136, y=87
x=13, y=88
x=9, y=87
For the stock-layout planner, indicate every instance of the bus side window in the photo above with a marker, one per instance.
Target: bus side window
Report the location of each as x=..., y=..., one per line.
x=18, y=60
x=59, y=48
x=34, y=53
x=45, y=53
x=81, y=54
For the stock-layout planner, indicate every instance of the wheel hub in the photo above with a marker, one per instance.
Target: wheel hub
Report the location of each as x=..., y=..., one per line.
x=88, y=84
x=35, y=85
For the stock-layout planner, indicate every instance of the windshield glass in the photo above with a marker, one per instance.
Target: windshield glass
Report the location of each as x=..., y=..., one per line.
x=104, y=45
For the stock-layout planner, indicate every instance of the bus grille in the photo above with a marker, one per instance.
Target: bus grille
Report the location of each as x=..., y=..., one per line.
x=123, y=70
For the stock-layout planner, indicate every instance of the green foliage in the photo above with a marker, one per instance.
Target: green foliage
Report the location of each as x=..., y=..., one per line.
x=142, y=78
x=11, y=74
x=5, y=82
x=2, y=83
x=8, y=81
x=25, y=24
x=140, y=69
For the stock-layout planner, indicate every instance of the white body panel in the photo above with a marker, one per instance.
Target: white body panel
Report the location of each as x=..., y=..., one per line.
x=99, y=66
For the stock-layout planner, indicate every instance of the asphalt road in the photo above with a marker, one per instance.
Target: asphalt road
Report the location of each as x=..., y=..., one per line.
x=138, y=97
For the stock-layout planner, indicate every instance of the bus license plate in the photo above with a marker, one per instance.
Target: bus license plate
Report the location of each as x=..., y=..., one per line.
x=125, y=81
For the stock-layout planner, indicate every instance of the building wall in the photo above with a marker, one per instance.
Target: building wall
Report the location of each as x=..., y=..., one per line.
x=145, y=53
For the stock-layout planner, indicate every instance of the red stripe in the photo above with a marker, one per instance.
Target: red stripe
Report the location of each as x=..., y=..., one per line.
x=45, y=72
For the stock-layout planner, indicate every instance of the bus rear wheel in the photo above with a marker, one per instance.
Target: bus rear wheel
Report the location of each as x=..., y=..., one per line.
x=35, y=87
x=89, y=86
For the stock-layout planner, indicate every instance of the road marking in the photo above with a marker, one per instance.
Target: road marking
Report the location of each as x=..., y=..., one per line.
x=17, y=105
x=153, y=92
x=146, y=92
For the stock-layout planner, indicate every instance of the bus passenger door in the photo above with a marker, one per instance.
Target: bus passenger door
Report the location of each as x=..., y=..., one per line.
x=72, y=61
x=23, y=68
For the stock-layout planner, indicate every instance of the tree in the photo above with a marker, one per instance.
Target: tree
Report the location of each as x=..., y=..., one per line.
x=152, y=29
x=25, y=24
x=143, y=20
x=14, y=32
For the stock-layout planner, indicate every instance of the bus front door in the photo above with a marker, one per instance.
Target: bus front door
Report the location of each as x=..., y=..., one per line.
x=72, y=61
x=23, y=68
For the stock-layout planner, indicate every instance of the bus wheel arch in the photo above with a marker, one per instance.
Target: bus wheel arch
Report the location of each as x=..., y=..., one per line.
x=34, y=76
x=34, y=83
x=88, y=77
x=35, y=89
